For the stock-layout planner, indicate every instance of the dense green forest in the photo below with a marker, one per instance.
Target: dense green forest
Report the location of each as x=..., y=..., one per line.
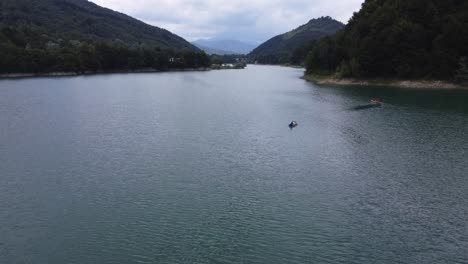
x=19, y=56
x=84, y=20
x=398, y=39
x=79, y=36
x=282, y=48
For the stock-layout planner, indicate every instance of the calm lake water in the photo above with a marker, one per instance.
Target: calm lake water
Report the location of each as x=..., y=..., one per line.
x=201, y=167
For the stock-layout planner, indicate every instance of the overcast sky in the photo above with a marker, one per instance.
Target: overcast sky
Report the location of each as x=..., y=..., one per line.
x=246, y=20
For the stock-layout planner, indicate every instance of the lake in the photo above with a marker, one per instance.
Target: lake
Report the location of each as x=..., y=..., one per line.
x=201, y=167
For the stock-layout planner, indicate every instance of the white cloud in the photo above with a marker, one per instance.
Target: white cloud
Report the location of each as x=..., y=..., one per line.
x=248, y=20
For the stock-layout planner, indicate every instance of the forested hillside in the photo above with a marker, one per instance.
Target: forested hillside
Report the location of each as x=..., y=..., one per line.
x=398, y=39
x=38, y=36
x=84, y=20
x=281, y=48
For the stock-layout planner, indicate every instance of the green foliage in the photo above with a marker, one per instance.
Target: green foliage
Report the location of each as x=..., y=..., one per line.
x=397, y=38
x=81, y=20
x=216, y=60
x=326, y=55
x=300, y=54
x=292, y=47
x=462, y=72
x=19, y=56
x=79, y=36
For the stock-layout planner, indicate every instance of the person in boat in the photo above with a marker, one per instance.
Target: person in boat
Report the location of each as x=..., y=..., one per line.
x=293, y=124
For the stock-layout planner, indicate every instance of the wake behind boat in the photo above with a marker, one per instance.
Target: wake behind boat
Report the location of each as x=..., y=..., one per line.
x=375, y=102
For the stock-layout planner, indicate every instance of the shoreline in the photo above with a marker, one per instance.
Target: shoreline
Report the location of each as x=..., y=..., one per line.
x=396, y=83
x=7, y=76
x=287, y=65
x=292, y=66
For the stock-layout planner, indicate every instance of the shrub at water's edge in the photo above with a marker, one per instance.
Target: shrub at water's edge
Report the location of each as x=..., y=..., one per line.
x=398, y=39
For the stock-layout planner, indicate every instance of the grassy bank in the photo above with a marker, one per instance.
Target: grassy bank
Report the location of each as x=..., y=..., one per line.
x=332, y=79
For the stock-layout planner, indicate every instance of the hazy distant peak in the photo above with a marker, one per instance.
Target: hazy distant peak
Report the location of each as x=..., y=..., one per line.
x=226, y=46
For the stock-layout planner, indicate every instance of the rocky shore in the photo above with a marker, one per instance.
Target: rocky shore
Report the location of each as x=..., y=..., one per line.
x=413, y=84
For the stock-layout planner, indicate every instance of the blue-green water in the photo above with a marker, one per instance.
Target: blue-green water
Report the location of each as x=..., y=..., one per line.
x=201, y=167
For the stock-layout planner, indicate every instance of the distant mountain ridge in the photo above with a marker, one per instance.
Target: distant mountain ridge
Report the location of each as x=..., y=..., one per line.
x=225, y=46
x=84, y=20
x=279, y=49
x=211, y=51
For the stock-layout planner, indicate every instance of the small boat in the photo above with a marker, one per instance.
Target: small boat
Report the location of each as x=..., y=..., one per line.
x=293, y=124
x=376, y=101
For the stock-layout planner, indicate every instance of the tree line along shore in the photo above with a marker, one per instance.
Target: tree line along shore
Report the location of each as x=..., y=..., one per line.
x=397, y=40
x=94, y=57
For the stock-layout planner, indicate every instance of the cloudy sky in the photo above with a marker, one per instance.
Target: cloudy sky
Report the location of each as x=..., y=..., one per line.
x=247, y=20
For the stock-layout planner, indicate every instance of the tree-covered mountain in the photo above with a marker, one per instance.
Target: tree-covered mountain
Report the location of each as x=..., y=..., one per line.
x=41, y=36
x=281, y=48
x=398, y=39
x=84, y=20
